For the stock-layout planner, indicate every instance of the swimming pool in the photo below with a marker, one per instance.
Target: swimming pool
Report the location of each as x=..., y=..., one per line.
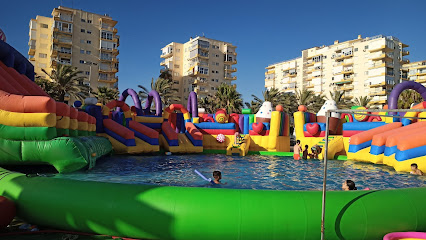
x=250, y=172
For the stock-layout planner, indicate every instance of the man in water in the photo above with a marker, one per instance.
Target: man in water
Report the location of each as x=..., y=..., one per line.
x=415, y=170
x=296, y=150
x=217, y=175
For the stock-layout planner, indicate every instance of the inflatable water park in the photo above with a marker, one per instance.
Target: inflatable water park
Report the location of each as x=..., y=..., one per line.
x=37, y=130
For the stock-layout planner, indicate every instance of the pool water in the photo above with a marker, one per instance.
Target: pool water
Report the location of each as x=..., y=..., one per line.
x=249, y=172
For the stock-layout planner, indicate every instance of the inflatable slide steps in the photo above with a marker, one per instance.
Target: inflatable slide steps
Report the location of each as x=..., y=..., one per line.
x=34, y=129
x=124, y=141
x=335, y=145
x=189, y=142
x=360, y=143
x=240, y=149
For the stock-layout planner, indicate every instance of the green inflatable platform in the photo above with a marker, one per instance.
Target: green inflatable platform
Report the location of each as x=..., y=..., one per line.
x=157, y=212
x=66, y=154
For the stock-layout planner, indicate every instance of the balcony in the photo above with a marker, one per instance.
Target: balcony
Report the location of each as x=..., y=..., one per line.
x=63, y=41
x=61, y=61
x=229, y=77
x=383, y=48
x=378, y=85
x=200, y=82
x=67, y=31
x=378, y=93
x=349, y=96
x=32, y=50
x=166, y=55
x=230, y=61
x=270, y=67
x=109, y=79
x=345, y=81
x=343, y=56
x=404, y=61
x=421, y=79
x=31, y=58
x=62, y=18
x=309, y=63
x=230, y=69
x=309, y=86
x=110, y=69
x=201, y=90
x=384, y=56
x=163, y=63
x=405, y=53
x=348, y=71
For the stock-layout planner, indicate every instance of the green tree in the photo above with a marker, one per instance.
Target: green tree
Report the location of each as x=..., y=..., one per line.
x=105, y=94
x=272, y=95
x=362, y=101
x=253, y=106
x=166, y=74
x=308, y=98
x=228, y=98
x=408, y=97
x=207, y=103
x=47, y=86
x=165, y=89
x=67, y=80
x=338, y=97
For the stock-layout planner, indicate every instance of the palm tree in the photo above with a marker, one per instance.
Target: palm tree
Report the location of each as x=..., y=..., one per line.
x=47, y=86
x=166, y=74
x=165, y=89
x=362, y=101
x=228, y=98
x=338, y=97
x=253, y=106
x=105, y=94
x=308, y=98
x=66, y=80
x=207, y=103
x=272, y=95
x=408, y=97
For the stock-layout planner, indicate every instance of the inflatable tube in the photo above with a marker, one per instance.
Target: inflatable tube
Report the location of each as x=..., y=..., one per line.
x=203, y=177
x=405, y=235
x=163, y=212
x=153, y=95
x=397, y=90
x=192, y=104
x=135, y=98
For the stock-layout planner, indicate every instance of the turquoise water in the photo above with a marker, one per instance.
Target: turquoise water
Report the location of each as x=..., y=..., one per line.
x=250, y=172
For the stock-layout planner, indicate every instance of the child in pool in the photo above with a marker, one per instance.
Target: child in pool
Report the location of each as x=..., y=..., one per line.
x=296, y=151
x=217, y=176
x=349, y=185
x=305, y=152
x=415, y=170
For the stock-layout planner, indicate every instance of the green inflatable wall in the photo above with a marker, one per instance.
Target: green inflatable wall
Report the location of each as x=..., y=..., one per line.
x=160, y=212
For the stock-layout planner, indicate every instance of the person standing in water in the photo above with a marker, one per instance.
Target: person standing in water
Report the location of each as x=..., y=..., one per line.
x=348, y=185
x=415, y=170
x=296, y=150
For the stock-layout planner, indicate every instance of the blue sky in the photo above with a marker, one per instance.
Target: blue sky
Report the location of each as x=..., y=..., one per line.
x=265, y=32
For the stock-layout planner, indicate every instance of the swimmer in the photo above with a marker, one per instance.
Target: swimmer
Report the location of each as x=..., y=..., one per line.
x=316, y=149
x=217, y=176
x=415, y=170
x=348, y=185
x=297, y=150
x=305, y=152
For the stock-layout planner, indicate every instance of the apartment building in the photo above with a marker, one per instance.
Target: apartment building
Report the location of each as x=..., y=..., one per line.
x=361, y=67
x=199, y=65
x=81, y=39
x=415, y=71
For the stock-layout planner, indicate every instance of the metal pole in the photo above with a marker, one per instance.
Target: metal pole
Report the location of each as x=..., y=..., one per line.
x=324, y=182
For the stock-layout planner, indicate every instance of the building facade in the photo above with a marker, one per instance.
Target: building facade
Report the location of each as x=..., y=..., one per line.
x=199, y=65
x=361, y=67
x=415, y=71
x=81, y=39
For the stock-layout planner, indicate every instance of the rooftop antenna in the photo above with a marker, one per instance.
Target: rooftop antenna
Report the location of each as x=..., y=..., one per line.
x=203, y=34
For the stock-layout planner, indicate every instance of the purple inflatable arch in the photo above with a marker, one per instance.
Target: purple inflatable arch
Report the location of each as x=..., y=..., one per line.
x=135, y=98
x=192, y=105
x=158, y=105
x=393, y=97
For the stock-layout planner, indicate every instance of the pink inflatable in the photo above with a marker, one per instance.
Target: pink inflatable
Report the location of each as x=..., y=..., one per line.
x=403, y=235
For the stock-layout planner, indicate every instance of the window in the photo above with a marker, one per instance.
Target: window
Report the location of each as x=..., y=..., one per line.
x=356, y=50
x=175, y=74
x=42, y=55
x=81, y=51
x=216, y=55
x=366, y=73
x=217, y=71
x=89, y=42
x=217, y=64
x=44, y=25
x=89, y=52
x=82, y=41
x=217, y=80
x=82, y=20
x=366, y=47
x=212, y=80
x=82, y=61
x=176, y=66
x=89, y=21
x=212, y=71
x=176, y=82
x=106, y=35
x=89, y=32
x=212, y=88
x=87, y=73
x=83, y=30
